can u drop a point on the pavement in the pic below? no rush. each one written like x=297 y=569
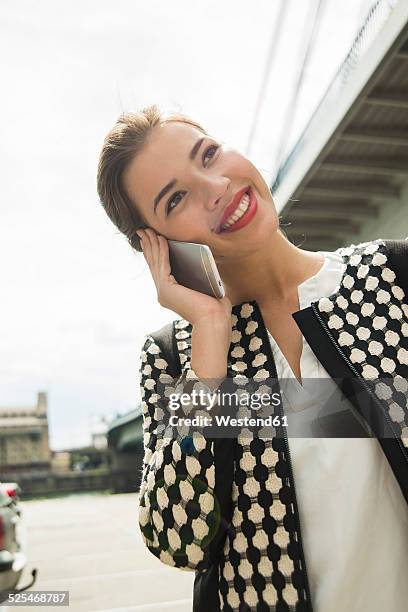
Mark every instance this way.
x=90 y=545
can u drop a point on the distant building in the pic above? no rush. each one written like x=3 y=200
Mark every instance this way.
x=99 y=433
x=89 y=458
x=61 y=461
x=24 y=443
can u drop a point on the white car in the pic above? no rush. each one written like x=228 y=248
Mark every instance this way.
x=12 y=557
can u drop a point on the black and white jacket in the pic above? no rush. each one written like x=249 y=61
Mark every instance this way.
x=226 y=508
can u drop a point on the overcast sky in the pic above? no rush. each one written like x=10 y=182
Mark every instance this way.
x=75 y=300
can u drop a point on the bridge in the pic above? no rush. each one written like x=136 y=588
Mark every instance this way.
x=345 y=179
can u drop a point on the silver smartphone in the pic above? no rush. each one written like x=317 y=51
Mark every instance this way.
x=193 y=266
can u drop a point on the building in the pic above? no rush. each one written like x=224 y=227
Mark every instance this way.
x=24 y=443
x=61 y=462
x=99 y=433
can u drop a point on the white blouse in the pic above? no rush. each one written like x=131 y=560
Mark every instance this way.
x=354 y=518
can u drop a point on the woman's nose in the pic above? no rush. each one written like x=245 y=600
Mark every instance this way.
x=217 y=193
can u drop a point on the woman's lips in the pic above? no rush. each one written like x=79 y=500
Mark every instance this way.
x=246 y=217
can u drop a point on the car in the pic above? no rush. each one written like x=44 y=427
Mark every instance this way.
x=12 y=556
x=12 y=489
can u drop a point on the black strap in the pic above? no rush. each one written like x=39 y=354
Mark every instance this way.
x=165 y=339
x=397 y=251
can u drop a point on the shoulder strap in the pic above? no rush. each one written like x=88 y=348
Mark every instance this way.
x=166 y=341
x=397 y=251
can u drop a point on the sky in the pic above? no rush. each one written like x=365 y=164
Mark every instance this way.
x=76 y=301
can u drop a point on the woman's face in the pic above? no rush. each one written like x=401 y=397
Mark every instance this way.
x=205 y=176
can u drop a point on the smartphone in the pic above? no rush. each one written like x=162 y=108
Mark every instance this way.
x=193 y=266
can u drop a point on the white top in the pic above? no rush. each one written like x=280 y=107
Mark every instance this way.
x=354 y=518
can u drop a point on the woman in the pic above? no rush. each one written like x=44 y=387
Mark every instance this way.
x=228 y=508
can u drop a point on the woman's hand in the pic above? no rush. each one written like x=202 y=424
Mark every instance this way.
x=194 y=306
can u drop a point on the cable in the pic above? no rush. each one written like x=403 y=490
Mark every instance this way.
x=274 y=42
x=291 y=107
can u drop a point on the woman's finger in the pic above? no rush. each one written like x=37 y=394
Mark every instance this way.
x=154 y=246
x=164 y=256
x=145 y=243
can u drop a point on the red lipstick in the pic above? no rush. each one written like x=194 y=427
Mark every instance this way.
x=230 y=209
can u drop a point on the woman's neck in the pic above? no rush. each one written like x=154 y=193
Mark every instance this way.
x=270 y=274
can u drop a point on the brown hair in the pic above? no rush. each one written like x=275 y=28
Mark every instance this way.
x=122 y=144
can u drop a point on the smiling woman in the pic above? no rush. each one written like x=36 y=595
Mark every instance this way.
x=121 y=169
x=267 y=521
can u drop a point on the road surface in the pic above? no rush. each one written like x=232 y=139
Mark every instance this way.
x=90 y=544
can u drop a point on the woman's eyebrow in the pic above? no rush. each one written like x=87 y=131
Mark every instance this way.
x=170 y=185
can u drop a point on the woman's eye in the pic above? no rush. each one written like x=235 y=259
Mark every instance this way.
x=174 y=197
x=215 y=147
x=169 y=208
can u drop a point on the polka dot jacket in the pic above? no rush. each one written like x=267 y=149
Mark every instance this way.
x=226 y=508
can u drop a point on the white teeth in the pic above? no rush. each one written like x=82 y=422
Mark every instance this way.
x=239 y=211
